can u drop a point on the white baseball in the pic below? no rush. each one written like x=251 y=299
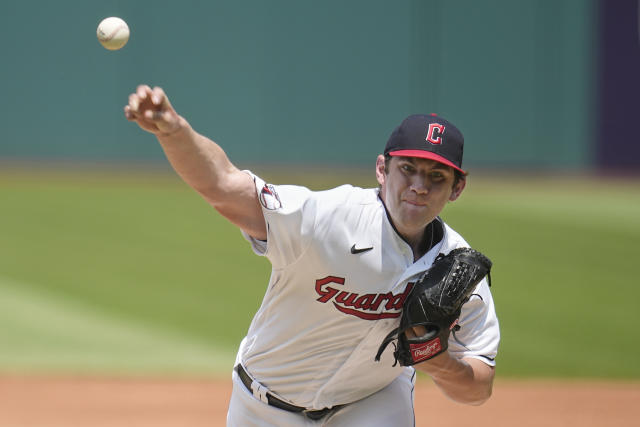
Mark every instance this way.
x=113 y=33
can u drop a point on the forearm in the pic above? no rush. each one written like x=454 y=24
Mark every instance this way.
x=468 y=381
x=199 y=161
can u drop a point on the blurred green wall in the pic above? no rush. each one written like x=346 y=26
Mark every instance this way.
x=302 y=81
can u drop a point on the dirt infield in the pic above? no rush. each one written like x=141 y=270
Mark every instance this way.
x=68 y=402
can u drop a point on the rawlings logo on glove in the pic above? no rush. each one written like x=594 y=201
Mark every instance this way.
x=432 y=308
x=420 y=352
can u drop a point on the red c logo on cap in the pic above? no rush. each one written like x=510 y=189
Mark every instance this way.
x=434 y=134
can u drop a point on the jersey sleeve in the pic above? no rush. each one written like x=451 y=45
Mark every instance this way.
x=479 y=333
x=289 y=214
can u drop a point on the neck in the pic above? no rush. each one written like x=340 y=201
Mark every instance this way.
x=424 y=241
x=420 y=242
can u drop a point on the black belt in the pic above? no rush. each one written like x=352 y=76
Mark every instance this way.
x=315 y=414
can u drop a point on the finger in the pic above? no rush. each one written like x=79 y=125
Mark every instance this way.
x=142 y=91
x=154 y=116
x=409 y=333
x=157 y=96
x=168 y=117
x=127 y=113
x=419 y=330
x=144 y=124
x=161 y=98
x=130 y=114
x=415 y=331
x=134 y=103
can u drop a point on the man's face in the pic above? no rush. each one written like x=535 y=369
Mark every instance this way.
x=415 y=191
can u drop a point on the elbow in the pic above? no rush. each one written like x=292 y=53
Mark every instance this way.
x=481 y=397
x=482 y=387
x=480 y=400
x=470 y=395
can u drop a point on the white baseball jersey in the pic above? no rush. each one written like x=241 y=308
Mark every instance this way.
x=340 y=276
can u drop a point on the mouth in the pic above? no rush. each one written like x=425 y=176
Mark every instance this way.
x=415 y=203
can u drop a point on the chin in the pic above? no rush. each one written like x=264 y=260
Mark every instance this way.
x=416 y=215
x=416 y=224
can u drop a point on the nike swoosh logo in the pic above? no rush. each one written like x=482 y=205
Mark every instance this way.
x=355 y=250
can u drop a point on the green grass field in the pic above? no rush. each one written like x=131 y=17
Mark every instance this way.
x=119 y=272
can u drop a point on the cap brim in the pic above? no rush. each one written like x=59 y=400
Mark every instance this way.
x=425 y=155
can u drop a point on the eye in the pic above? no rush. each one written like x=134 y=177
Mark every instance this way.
x=407 y=167
x=437 y=176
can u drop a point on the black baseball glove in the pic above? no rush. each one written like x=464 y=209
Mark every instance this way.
x=433 y=306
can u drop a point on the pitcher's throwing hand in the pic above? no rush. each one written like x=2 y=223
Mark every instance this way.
x=151 y=109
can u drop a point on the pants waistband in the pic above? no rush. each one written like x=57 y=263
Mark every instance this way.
x=314 y=414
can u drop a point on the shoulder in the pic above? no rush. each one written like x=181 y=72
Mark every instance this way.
x=342 y=202
x=332 y=199
x=285 y=198
x=348 y=194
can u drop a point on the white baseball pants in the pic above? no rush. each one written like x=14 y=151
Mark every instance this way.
x=391 y=406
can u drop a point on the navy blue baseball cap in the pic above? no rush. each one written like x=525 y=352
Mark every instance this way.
x=427 y=136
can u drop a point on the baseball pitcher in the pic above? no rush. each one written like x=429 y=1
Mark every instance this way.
x=367 y=285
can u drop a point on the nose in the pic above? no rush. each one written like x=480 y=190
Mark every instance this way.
x=419 y=185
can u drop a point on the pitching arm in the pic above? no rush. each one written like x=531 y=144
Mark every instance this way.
x=199 y=161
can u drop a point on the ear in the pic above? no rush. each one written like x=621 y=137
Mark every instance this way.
x=381 y=173
x=457 y=189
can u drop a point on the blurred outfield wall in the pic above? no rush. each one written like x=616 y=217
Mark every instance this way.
x=300 y=81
